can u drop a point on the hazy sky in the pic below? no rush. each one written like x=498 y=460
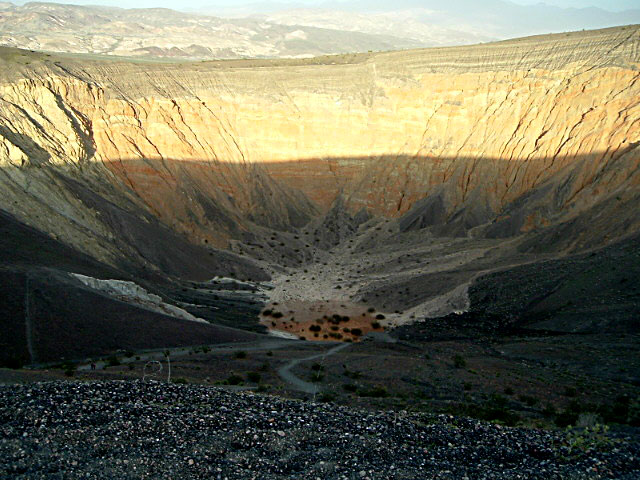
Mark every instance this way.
x=614 y=5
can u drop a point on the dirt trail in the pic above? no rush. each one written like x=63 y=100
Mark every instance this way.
x=299 y=384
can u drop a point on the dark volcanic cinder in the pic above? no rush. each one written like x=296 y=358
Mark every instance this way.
x=136 y=430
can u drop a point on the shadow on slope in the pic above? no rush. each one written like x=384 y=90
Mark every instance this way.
x=592 y=293
x=48 y=317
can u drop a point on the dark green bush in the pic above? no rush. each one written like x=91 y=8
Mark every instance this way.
x=326 y=397
x=459 y=362
x=235 y=380
x=113 y=361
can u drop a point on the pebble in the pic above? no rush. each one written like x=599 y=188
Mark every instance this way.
x=132 y=429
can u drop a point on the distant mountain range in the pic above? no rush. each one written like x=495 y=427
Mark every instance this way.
x=160 y=32
x=270 y=30
x=437 y=21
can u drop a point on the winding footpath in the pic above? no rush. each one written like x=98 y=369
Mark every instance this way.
x=299 y=384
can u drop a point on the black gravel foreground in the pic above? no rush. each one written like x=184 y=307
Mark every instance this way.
x=120 y=430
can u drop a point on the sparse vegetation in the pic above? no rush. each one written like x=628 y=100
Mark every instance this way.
x=459 y=361
x=113 y=361
x=235 y=380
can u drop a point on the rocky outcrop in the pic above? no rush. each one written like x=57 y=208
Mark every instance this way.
x=133 y=293
x=498 y=139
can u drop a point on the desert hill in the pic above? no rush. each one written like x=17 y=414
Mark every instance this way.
x=162 y=33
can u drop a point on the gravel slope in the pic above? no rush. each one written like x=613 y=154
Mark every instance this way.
x=153 y=430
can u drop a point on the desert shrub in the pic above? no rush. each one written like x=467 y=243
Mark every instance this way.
x=569 y=416
x=326 y=397
x=375 y=325
x=459 y=361
x=315 y=328
x=113 y=361
x=588 y=438
x=496 y=410
x=349 y=387
x=356 y=332
x=267 y=312
x=623 y=411
x=234 y=380
x=205 y=349
x=253 y=377
x=277 y=315
x=549 y=410
x=371 y=310
x=180 y=380
x=240 y=354
x=269 y=353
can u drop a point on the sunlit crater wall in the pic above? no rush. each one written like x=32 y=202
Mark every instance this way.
x=478 y=126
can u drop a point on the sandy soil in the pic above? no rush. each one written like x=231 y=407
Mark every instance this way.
x=337 y=282
x=329 y=320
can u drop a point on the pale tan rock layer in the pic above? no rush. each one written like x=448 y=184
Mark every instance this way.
x=482 y=125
